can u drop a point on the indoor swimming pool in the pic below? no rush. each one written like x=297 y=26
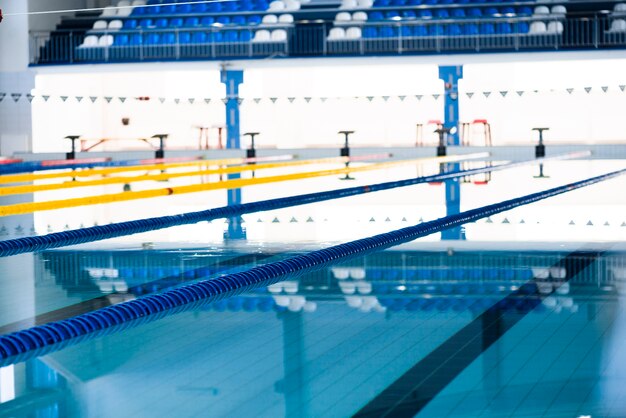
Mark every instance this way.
x=516 y=314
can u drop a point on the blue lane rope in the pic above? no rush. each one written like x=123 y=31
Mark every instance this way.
x=43 y=339
x=102 y=232
x=30 y=166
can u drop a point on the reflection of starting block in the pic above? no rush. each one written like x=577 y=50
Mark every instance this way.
x=87 y=145
x=203 y=138
x=466 y=133
x=419 y=139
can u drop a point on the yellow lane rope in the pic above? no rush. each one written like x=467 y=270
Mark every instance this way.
x=31 y=188
x=22 y=208
x=23 y=178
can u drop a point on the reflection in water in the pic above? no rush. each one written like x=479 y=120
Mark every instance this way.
x=330 y=342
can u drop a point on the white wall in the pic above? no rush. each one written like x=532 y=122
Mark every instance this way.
x=577 y=117
x=15 y=118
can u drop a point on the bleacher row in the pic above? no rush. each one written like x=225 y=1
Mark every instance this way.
x=149 y=16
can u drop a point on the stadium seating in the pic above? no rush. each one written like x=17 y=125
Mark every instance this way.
x=246 y=24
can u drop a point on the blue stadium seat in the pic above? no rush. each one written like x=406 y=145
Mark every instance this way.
x=130 y=24
x=167 y=9
x=239 y=20
x=184 y=9
x=121 y=40
x=454 y=30
x=382 y=3
x=184 y=38
x=161 y=23
x=199 y=38
x=246 y=6
x=462 y=1
x=397 y=3
x=520 y=27
x=199 y=8
x=229 y=6
x=207 y=21
x=224 y=20
x=214 y=7
x=374 y=16
x=424 y=274
x=491 y=11
x=430 y=2
x=406 y=31
x=191 y=22
x=413 y=2
x=245 y=36
x=387 y=32
x=168 y=38
x=392 y=14
x=152 y=39
x=458 y=13
x=487 y=29
x=215 y=37
x=420 y=31
x=261 y=6
x=474 y=12
x=370 y=32
x=254 y=20
x=525 y=11
x=471 y=29
x=503 y=28
x=139 y=11
x=446 y=1
x=146 y=23
x=509 y=11
x=176 y=23
x=425 y=14
x=231 y=36
x=442 y=14
x=408 y=14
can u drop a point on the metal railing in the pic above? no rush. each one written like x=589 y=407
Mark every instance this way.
x=312 y=39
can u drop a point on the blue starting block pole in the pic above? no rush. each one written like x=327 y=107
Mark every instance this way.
x=451 y=76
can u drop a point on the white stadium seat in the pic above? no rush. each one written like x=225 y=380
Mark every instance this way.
x=620 y=7
x=558 y=10
x=89 y=41
x=269 y=19
x=353 y=33
x=537 y=28
x=343 y=17
x=349 y=4
x=262 y=36
x=276 y=5
x=618 y=25
x=555 y=27
x=336 y=34
x=116 y=24
x=359 y=16
x=109 y=12
x=287 y=18
x=542 y=10
x=105 y=40
x=279 y=35
x=100 y=25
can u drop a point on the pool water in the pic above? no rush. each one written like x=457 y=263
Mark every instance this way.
x=524 y=317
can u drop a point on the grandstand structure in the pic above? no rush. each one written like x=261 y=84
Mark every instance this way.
x=133 y=31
